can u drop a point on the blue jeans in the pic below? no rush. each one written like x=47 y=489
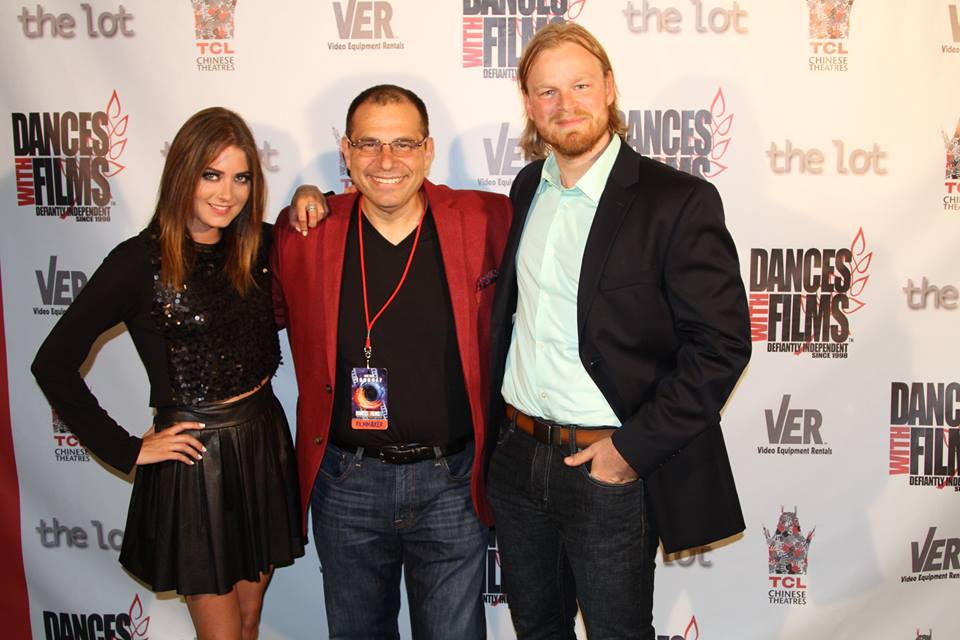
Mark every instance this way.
x=372 y=518
x=566 y=538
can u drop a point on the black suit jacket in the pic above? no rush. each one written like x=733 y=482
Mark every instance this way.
x=664 y=333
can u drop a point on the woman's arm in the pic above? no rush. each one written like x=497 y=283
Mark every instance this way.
x=114 y=293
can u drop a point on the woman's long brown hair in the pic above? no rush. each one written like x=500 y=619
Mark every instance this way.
x=197 y=144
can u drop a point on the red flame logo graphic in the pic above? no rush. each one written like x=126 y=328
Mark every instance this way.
x=138 y=622
x=575 y=8
x=720 y=125
x=117 y=129
x=861 y=262
x=858 y=280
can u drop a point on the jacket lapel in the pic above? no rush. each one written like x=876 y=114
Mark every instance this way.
x=614 y=204
x=333 y=247
x=457 y=232
x=505 y=298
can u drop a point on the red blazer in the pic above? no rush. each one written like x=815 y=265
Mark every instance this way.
x=472 y=228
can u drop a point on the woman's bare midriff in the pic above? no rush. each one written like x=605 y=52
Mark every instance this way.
x=245 y=393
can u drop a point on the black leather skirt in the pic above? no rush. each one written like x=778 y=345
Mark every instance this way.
x=236 y=513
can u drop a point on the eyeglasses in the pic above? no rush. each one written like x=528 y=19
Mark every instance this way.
x=372 y=147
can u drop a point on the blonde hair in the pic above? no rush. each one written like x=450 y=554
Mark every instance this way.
x=548 y=37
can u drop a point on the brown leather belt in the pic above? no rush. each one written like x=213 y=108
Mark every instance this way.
x=558 y=434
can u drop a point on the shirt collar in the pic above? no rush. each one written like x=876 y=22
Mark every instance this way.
x=592 y=183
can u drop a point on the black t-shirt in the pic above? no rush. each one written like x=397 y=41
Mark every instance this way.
x=414 y=339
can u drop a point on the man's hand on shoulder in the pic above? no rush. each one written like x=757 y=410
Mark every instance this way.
x=307 y=208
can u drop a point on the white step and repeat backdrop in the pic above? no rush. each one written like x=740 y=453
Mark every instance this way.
x=831 y=128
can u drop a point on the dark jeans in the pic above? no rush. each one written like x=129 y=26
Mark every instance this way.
x=565 y=537
x=370 y=518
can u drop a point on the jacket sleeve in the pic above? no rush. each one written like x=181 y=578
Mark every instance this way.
x=109 y=297
x=705 y=294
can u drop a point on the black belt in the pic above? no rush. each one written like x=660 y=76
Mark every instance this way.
x=406 y=453
x=220 y=414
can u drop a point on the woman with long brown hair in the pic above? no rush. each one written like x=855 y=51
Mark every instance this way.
x=215 y=502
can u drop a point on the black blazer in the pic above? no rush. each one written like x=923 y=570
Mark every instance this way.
x=664 y=333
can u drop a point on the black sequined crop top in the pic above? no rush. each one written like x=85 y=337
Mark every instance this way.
x=200 y=344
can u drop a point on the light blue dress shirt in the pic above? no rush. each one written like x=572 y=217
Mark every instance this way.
x=544 y=376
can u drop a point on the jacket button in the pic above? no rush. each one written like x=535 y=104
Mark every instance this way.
x=318 y=440
x=595 y=363
x=328 y=388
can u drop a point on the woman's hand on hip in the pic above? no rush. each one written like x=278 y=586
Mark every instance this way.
x=171 y=444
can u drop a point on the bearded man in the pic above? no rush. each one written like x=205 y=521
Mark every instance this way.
x=620 y=326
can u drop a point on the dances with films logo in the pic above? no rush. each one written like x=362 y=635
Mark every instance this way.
x=495 y=31
x=64 y=160
x=792 y=431
x=787 y=550
x=213 y=24
x=132 y=624
x=801 y=300
x=692 y=632
x=951 y=183
x=692 y=140
x=829 y=30
x=933 y=558
x=925 y=433
x=363 y=26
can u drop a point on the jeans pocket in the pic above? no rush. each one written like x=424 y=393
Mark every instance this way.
x=506 y=432
x=458 y=465
x=585 y=470
x=337 y=465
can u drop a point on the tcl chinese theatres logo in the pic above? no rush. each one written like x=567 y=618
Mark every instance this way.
x=213 y=19
x=788 y=548
x=829 y=19
x=952 y=146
